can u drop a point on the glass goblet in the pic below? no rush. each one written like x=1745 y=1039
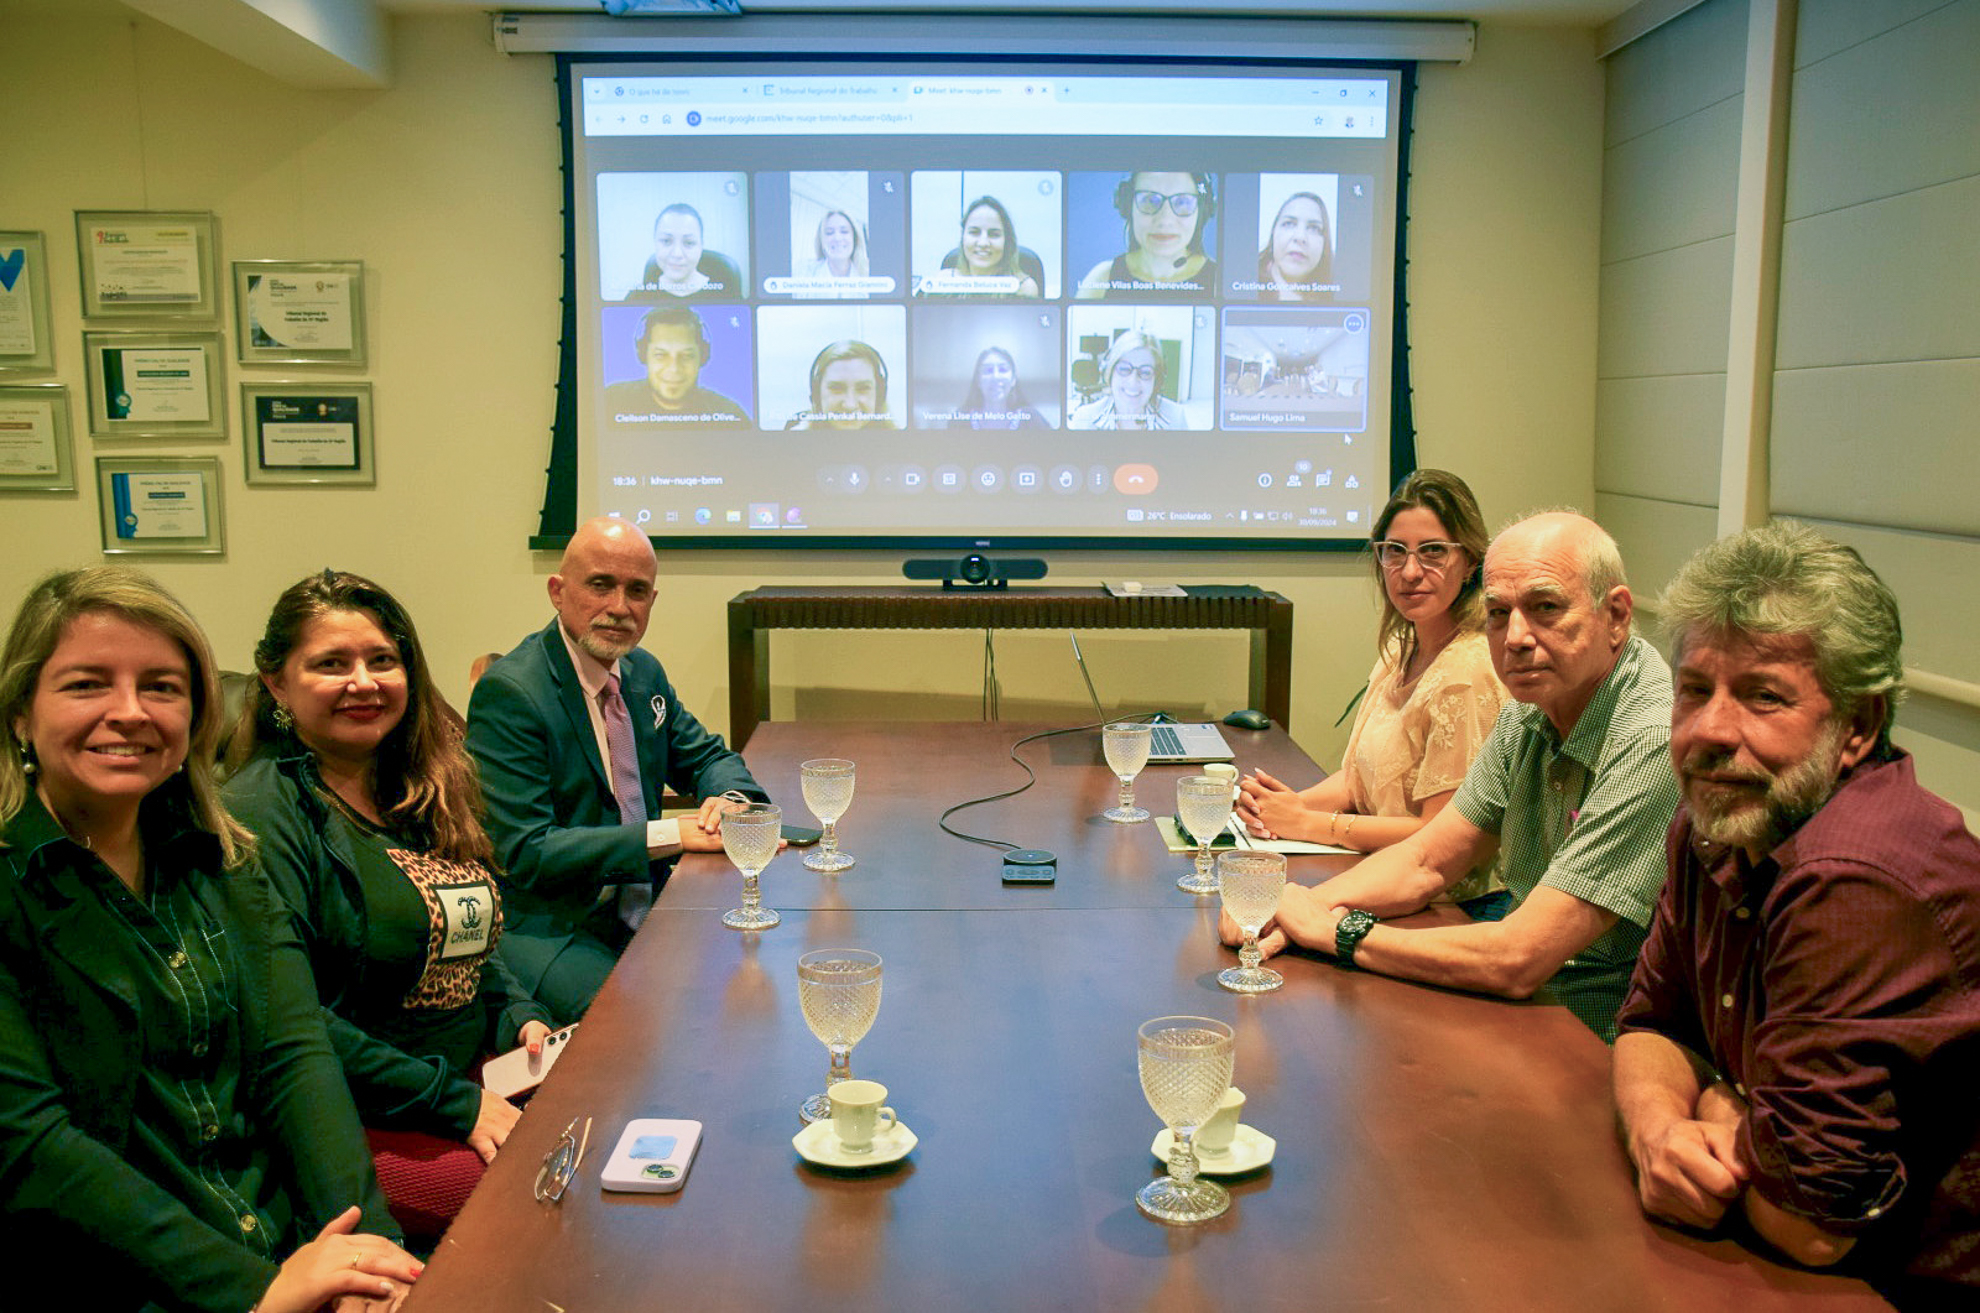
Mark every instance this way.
x=1125 y=744
x=839 y=994
x=828 y=791
x=1203 y=807
x=1251 y=883
x=1185 y=1069
x=750 y=838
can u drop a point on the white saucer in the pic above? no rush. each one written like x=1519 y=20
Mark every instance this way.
x=1250 y=1150
x=817 y=1143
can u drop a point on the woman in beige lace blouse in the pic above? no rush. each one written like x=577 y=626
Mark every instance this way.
x=1431 y=698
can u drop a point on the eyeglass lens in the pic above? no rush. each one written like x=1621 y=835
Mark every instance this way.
x=1150 y=202
x=1125 y=371
x=1431 y=555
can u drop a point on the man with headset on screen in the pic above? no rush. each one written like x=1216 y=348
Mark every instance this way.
x=673 y=345
x=577 y=733
x=1164 y=214
x=848 y=390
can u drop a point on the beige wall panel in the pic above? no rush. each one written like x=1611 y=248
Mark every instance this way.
x=1656 y=537
x=1894 y=279
x=1666 y=313
x=1944 y=737
x=1880 y=444
x=1695 y=60
x=1673 y=186
x=1937 y=582
x=1502 y=283
x=1659 y=437
x=447 y=186
x=1892 y=115
x=1828 y=26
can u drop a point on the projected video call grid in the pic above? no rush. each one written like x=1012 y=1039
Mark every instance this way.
x=899 y=314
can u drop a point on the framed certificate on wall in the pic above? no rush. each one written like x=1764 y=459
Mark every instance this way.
x=26 y=346
x=160 y=505
x=306 y=433
x=154 y=385
x=37 y=453
x=148 y=264
x=299 y=312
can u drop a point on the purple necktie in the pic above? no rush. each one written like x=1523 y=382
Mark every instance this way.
x=637 y=896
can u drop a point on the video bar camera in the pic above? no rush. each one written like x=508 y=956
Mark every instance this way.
x=975 y=571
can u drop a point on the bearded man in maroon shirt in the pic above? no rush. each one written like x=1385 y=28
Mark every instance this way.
x=1800 y=1048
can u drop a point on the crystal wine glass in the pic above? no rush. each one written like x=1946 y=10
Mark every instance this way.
x=828 y=791
x=1203 y=806
x=839 y=993
x=1185 y=1069
x=1251 y=883
x=1125 y=744
x=750 y=838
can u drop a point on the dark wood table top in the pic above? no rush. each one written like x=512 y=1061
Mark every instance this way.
x=910 y=772
x=1436 y=1150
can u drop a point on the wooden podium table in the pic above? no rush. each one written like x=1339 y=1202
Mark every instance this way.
x=754 y=614
x=1436 y=1150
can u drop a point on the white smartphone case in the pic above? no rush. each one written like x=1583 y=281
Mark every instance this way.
x=516 y=1072
x=652 y=1156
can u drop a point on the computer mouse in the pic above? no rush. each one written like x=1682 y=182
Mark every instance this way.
x=1249 y=719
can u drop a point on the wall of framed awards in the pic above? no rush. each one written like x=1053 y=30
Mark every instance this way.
x=155 y=361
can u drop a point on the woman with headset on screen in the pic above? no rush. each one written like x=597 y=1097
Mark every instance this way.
x=1164 y=215
x=996 y=399
x=1131 y=376
x=988 y=248
x=848 y=390
x=1297 y=263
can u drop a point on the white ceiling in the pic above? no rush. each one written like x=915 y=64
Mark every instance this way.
x=1581 y=13
x=1576 y=13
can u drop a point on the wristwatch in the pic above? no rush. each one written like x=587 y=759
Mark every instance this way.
x=1349 y=932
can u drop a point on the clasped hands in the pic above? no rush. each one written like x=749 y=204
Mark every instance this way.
x=1268 y=807
x=1689 y=1170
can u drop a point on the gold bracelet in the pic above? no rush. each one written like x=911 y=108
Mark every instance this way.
x=1333 y=825
x=1350 y=828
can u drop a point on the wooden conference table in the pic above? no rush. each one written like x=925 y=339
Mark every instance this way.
x=1435 y=1150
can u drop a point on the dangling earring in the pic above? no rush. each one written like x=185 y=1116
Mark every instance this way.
x=283 y=717
x=28 y=763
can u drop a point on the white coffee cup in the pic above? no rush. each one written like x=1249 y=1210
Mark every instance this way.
x=859 y=1113
x=1223 y=770
x=1214 y=1137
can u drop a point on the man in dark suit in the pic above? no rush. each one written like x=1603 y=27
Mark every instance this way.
x=578 y=733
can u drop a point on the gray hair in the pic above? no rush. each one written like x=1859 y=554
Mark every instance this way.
x=1784 y=578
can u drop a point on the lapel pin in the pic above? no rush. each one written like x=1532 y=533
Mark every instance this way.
x=659 y=705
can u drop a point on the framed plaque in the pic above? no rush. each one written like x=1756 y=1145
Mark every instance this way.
x=26 y=346
x=307 y=433
x=37 y=451
x=299 y=312
x=154 y=385
x=160 y=505
x=148 y=264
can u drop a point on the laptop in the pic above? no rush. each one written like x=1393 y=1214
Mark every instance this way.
x=1173 y=745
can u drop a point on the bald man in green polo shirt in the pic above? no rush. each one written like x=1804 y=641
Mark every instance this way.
x=1573 y=788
